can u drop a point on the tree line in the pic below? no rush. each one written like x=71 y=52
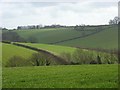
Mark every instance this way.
x=39 y=26
x=78 y=57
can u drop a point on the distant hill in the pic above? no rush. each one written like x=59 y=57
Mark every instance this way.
x=91 y=37
x=107 y=39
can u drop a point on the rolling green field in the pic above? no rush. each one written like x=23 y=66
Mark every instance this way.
x=9 y=51
x=78 y=76
x=49 y=35
x=107 y=39
x=63 y=76
x=55 y=49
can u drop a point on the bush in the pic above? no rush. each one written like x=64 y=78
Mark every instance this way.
x=82 y=57
x=93 y=62
x=8 y=42
x=66 y=56
x=16 y=61
x=39 y=59
x=107 y=58
x=99 y=60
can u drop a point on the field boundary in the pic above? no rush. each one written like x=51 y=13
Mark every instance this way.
x=55 y=57
x=97 y=31
x=112 y=51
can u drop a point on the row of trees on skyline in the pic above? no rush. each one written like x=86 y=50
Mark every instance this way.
x=39 y=26
x=113 y=21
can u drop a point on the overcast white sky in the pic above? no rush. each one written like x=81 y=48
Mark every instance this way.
x=15 y=13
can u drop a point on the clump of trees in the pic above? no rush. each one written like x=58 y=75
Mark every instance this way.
x=3 y=28
x=85 y=57
x=17 y=61
x=114 y=21
x=37 y=59
x=29 y=27
x=53 y=26
x=39 y=26
x=80 y=27
x=78 y=57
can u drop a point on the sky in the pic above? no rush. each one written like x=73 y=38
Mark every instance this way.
x=15 y=13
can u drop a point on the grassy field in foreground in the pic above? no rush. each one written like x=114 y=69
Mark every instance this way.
x=9 y=51
x=77 y=76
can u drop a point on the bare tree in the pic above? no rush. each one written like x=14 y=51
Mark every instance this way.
x=114 y=21
x=111 y=22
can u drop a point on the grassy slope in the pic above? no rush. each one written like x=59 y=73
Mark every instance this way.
x=56 y=49
x=9 y=51
x=50 y=35
x=107 y=39
x=78 y=76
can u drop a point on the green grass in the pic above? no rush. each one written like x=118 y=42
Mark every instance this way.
x=9 y=51
x=55 y=49
x=107 y=39
x=50 y=35
x=78 y=76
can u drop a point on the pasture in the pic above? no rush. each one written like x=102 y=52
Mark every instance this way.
x=107 y=39
x=64 y=76
x=55 y=49
x=84 y=75
x=9 y=51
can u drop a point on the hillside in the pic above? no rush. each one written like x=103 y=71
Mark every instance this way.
x=55 y=49
x=107 y=39
x=9 y=51
x=49 y=35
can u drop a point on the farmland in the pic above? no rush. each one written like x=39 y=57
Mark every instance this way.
x=56 y=49
x=49 y=35
x=79 y=76
x=109 y=39
x=66 y=45
x=9 y=51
